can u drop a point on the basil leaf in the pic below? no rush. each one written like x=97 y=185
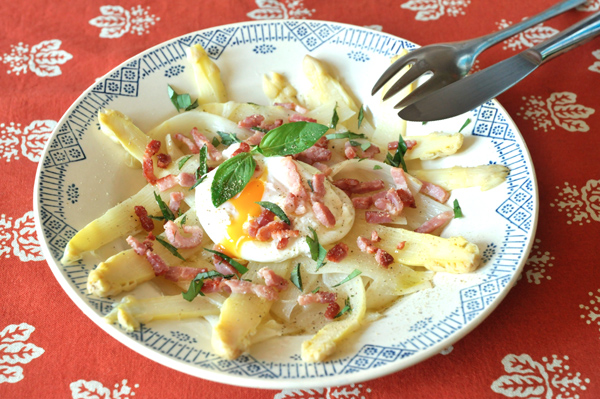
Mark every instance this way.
x=424 y=123
x=228 y=138
x=196 y=284
x=345 y=135
x=276 y=210
x=193 y=106
x=181 y=101
x=215 y=142
x=316 y=290
x=167 y=214
x=334 y=118
x=465 y=124
x=355 y=273
x=377 y=167
x=291 y=138
x=345 y=309
x=354 y=143
x=312 y=190
x=296 y=277
x=183 y=160
x=202 y=167
x=238 y=266
x=170 y=248
x=259 y=129
x=361 y=116
x=398 y=159
x=156 y=217
x=231 y=178
x=365 y=146
x=317 y=252
x=457 y=211
x=183 y=220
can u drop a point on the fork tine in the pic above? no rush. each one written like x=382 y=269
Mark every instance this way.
x=433 y=84
x=411 y=75
x=392 y=70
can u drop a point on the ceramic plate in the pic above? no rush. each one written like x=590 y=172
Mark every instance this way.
x=82 y=174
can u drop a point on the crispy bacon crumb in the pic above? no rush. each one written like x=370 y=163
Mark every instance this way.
x=332 y=310
x=375 y=237
x=337 y=253
x=163 y=160
x=145 y=221
x=383 y=258
x=147 y=165
x=401 y=245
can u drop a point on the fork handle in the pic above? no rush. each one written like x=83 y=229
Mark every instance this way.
x=571 y=37
x=491 y=39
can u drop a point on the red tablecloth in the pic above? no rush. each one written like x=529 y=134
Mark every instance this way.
x=541 y=342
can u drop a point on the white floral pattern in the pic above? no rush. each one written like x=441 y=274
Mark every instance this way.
x=19 y=238
x=82 y=389
x=430 y=10
x=579 y=205
x=286 y=9
x=30 y=140
x=590 y=5
x=560 y=109
x=15 y=350
x=115 y=21
x=595 y=67
x=43 y=59
x=547 y=379
x=538 y=264
x=354 y=391
x=591 y=311
x=528 y=38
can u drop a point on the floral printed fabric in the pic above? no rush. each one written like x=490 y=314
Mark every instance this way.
x=541 y=342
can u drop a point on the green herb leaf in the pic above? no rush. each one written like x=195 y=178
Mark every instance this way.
x=361 y=115
x=465 y=124
x=354 y=143
x=215 y=141
x=291 y=138
x=310 y=185
x=296 y=277
x=171 y=248
x=345 y=309
x=424 y=122
x=276 y=210
x=334 y=118
x=355 y=273
x=317 y=252
x=231 y=178
x=377 y=167
x=183 y=220
x=316 y=290
x=398 y=159
x=365 y=146
x=166 y=212
x=228 y=138
x=156 y=217
x=345 y=135
x=181 y=101
x=183 y=160
x=457 y=211
x=202 y=167
x=238 y=266
x=195 y=288
x=259 y=129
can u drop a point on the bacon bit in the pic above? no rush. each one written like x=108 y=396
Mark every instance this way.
x=294 y=182
x=214 y=285
x=362 y=202
x=265 y=233
x=191 y=145
x=147 y=164
x=293 y=204
x=251 y=121
x=323 y=214
x=300 y=118
x=318 y=297
x=383 y=258
x=375 y=237
x=349 y=151
x=322 y=142
x=165 y=183
x=202 y=141
x=145 y=221
x=326 y=170
x=401 y=245
x=163 y=160
x=356 y=187
x=389 y=201
x=175 y=202
x=314 y=154
x=272 y=279
x=402 y=185
x=371 y=151
x=246 y=287
x=137 y=246
x=283 y=237
x=262 y=220
x=270 y=126
x=435 y=222
x=178 y=273
x=410 y=144
x=244 y=147
x=332 y=310
x=255 y=138
x=149 y=241
x=178 y=240
x=434 y=191
x=221 y=265
x=186 y=179
x=318 y=184
x=378 y=217
x=346 y=184
x=158 y=264
x=366 y=245
x=337 y=253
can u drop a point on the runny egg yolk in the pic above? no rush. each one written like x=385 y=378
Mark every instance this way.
x=246 y=207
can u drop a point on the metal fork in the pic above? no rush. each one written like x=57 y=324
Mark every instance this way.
x=449 y=62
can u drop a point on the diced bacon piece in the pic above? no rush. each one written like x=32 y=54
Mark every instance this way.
x=434 y=191
x=270 y=126
x=332 y=310
x=222 y=266
x=165 y=183
x=244 y=147
x=314 y=154
x=216 y=284
x=318 y=297
x=262 y=220
x=349 y=151
x=272 y=279
x=158 y=264
x=346 y=184
x=293 y=204
x=202 y=141
x=251 y=121
x=362 y=202
x=145 y=221
x=401 y=245
x=149 y=241
x=337 y=253
x=296 y=187
x=283 y=237
x=300 y=118
x=179 y=273
x=366 y=245
x=255 y=138
x=191 y=145
x=435 y=222
x=323 y=214
x=246 y=287
x=147 y=164
x=318 y=184
x=326 y=170
x=265 y=233
x=394 y=204
x=137 y=246
x=410 y=144
x=186 y=179
x=175 y=201
x=383 y=258
x=378 y=217
x=401 y=184
x=163 y=160
x=368 y=186
x=322 y=142
x=178 y=240
x=371 y=151
x=375 y=236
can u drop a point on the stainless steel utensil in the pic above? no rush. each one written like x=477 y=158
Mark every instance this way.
x=474 y=90
x=450 y=62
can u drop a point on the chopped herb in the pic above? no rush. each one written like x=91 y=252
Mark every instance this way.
x=183 y=220
x=228 y=138
x=215 y=141
x=361 y=115
x=424 y=122
x=238 y=266
x=457 y=211
x=166 y=212
x=156 y=217
x=310 y=185
x=170 y=248
x=398 y=159
x=377 y=167
x=354 y=143
x=202 y=167
x=365 y=146
x=259 y=129
x=334 y=118
x=465 y=124
x=181 y=101
x=231 y=178
x=355 y=273
x=276 y=210
x=291 y=138
x=296 y=277
x=316 y=290
x=345 y=309
x=183 y=160
x=345 y=135
x=253 y=104
x=195 y=288
x=317 y=252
